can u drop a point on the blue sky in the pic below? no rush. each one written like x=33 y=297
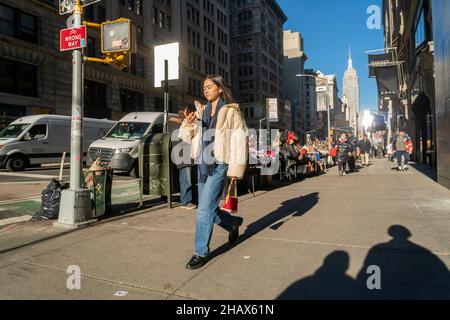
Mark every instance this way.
x=328 y=28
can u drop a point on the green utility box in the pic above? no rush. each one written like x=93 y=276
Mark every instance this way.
x=99 y=182
x=158 y=175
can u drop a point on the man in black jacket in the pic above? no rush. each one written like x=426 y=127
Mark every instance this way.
x=344 y=152
x=364 y=146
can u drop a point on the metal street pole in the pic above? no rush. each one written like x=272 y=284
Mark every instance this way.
x=75 y=209
x=166 y=95
x=269 y=143
x=330 y=158
x=76 y=149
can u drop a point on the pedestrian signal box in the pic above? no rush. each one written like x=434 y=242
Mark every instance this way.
x=118 y=36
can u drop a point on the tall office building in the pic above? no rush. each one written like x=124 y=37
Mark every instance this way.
x=257 y=57
x=351 y=92
x=310 y=102
x=294 y=90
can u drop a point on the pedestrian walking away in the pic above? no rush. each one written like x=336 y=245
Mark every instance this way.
x=219 y=127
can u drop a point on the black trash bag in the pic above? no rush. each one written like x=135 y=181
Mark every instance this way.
x=50 y=201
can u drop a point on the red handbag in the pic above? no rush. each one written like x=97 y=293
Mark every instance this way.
x=409 y=146
x=333 y=152
x=231 y=202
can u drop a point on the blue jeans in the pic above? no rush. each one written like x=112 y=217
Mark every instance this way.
x=401 y=154
x=185 y=185
x=208 y=212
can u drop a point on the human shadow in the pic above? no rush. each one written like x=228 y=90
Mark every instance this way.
x=407 y=270
x=289 y=209
x=397 y=269
x=330 y=281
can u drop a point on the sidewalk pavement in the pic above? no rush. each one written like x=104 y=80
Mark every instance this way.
x=315 y=239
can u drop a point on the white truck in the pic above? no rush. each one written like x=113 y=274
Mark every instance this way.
x=40 y=139
x=120 y=145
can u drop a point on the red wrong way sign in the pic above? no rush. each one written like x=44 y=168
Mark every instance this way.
x=73 y=38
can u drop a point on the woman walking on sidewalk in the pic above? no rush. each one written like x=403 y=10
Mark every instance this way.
x=218 y=127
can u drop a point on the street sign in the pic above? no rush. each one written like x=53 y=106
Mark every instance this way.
x=273 y=109
x=321 y=89
x=73 y=38
x=66 y=6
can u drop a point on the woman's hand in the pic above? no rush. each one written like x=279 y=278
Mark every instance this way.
x=190 y=118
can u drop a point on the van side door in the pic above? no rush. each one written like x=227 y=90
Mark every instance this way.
x=36 y=143
x=59 y=131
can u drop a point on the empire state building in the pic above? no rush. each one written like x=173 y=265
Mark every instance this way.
x=351 y=93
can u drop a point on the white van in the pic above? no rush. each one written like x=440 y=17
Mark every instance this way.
x=42 y=139
x=120 y=145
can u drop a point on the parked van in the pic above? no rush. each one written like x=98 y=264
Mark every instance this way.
x=120 y=145
x=42 y=139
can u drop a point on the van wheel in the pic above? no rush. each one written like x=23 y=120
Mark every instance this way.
x=135 y=170
x=16 y=163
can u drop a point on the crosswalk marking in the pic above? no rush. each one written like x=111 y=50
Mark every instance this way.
x=15 y=220
x=27 y=175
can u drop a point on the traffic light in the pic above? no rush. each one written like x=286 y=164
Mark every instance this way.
x=118 y=36
x=118 y=42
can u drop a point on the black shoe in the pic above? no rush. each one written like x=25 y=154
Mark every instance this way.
x=234 y=234
x=196 y=262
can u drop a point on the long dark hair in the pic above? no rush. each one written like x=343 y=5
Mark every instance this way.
x=220 y=82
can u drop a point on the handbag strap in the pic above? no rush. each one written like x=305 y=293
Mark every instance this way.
x=233 y=181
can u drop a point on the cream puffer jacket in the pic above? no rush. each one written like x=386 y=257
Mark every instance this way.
x=231 y=138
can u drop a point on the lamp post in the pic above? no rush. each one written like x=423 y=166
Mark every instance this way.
x=330 y=160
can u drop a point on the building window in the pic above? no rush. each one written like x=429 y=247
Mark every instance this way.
x=18 y=78
x=245 y=15
x=137 y=6
x=101 y=14
x=161 y=19
x=169 y=23
x=140 y=35
x=155 y=15
x=18 y=24
x=95 y=105
x=131 y=101
x=137 y=66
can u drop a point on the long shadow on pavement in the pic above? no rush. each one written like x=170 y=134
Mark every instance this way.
x=289 y=209
x=406 y=271
x=328 y=282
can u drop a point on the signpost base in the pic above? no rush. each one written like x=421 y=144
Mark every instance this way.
x=75 y=210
